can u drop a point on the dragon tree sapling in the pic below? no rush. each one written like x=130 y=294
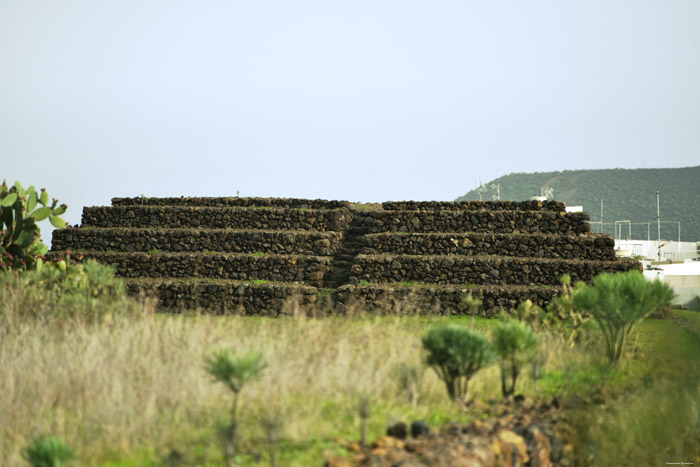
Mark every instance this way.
x=48 y=451
x=455 y=353
x=234 y=372
x=618 y=302
x=20 y=210
x=515 y=342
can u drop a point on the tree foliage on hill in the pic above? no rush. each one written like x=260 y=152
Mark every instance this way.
x=627 y=194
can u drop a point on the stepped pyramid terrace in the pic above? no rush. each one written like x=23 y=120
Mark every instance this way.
x=249 y=255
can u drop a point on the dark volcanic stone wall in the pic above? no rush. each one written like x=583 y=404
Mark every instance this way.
x=555 y=206
x=216 y=218
x=590 y=246
x=292 y=203
x=486 y=270
x=282 y=268
x=445 y=300
x=291 y=242
x=225 y=297
x=531 y=222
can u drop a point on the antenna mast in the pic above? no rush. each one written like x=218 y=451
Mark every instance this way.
x=482 y=188
x=497 y=187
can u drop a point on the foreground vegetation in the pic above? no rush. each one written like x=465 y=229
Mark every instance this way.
x=124 y=386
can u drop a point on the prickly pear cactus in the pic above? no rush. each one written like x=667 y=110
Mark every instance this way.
x=20 y=210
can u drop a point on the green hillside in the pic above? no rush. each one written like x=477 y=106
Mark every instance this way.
x=626 y=194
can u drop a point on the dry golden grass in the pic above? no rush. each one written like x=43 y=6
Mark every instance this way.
x=135 y=383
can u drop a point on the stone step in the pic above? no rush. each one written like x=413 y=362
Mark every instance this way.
x=343 y=259
x=356 y=231
x=282 y=268
x=344 y=256
x=449 y=221
x=217 y=218
x=482 y=270
x=292 y=203
x=556 y=206
x=439 y=299
x=278 y=298
x=295 y=242
x=585 y=246
x=224 y=296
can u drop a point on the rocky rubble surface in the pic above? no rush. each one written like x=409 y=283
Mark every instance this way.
x=512 y=434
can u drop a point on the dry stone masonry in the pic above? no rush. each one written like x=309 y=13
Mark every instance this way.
x=250 y=255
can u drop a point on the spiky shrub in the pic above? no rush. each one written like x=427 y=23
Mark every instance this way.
x=515 y=344
x=20 y=210
x=234 y=373
x=455 y=354
x=618 y=302
x=48 y=451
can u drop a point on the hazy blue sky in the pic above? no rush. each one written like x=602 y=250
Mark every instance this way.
x=358 y=100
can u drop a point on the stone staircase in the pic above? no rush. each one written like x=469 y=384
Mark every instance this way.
x=345 y=256
x=249 y=255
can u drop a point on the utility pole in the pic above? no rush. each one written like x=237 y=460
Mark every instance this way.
x=601 y=215
x=658 y=222
x=658 y=217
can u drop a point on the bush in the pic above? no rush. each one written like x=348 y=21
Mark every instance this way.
x=455 y=353
x=563 y=319
x=48 y=451
x=533 y=316
x=88 y=280
x=62 y=290
x=515 y=342
x=473 y=304
x=619 y=301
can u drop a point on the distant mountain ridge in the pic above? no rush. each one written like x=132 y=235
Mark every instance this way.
x=627 y=194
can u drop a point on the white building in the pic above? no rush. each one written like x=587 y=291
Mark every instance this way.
x=654 y=250
x=676 y=263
